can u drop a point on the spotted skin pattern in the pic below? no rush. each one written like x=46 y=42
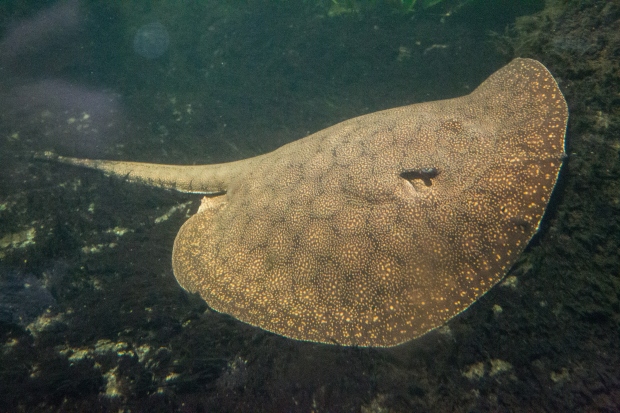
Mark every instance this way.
x=381 y=228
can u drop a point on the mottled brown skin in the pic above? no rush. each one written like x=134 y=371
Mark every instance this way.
x=378 y=229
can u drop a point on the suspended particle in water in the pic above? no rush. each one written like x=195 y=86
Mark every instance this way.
x=151 y=40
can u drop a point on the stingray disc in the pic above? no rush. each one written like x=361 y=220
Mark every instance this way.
x=378 y=229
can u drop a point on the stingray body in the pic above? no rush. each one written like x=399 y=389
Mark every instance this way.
x=376 y=230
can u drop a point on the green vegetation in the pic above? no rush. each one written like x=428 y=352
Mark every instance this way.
x=340 y=7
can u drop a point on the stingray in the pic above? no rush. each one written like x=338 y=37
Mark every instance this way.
x=376 y=230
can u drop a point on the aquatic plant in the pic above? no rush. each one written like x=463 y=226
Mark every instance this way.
x=340 y=7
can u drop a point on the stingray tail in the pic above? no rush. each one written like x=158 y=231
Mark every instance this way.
x=202 y=179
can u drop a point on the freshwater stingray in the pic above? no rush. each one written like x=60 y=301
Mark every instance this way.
x=378 y=229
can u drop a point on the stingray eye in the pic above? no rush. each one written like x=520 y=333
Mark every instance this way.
x=424 y=174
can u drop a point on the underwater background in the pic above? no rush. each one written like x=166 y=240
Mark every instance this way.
x=91 y=317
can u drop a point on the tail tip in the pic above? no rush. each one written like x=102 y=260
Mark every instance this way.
x=45 y=156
